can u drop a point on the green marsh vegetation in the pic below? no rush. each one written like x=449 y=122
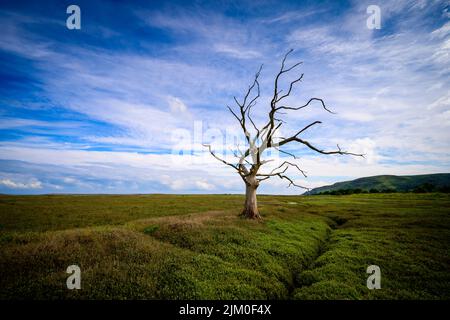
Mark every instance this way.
x=197 y=247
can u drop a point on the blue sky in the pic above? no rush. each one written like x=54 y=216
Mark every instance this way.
x=107 y=108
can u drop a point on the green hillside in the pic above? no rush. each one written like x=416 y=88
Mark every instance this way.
x=390 y=183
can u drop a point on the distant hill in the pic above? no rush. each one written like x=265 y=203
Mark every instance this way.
x=389 y=183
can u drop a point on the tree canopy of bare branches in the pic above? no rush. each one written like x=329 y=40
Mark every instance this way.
x=248 y=163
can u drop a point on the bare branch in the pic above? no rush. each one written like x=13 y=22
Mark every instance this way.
x=288 y=153
x=237 y=102
x=221 y=160
x=282 y=176
x=294 y=66
x=271 y=174
x=244 y=107
x=286 y=140
x=279 y=120
x=252 y=103
x=234 y=114
x=290 y=88
x=292 y=183
x=309 y=145
x=241 y=158
x=266 y=161
x=285 y=163
x=305 y=105
x=251 y=88
x=276 y=99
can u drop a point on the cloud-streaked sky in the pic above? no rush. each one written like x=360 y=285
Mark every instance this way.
x=97 y=110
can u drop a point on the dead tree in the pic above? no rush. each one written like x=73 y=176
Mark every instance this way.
x=248 y=163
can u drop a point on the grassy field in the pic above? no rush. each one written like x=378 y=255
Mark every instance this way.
x=196 y=247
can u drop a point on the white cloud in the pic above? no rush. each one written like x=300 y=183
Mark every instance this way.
x=203 y=185
x=178 y=183
x=32 y=184
x=202 y=172
x=176 y=105
x=442 y=31
x=356 y=116
x=367 y=147
x=70 y=180
x=237 y=52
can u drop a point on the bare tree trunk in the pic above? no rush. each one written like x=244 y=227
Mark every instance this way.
x=251 y=206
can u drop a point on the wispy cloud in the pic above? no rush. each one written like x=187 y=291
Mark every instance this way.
x=33 y=184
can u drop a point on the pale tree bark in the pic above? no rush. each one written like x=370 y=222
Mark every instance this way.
x=249 y=162
x=251 y=204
